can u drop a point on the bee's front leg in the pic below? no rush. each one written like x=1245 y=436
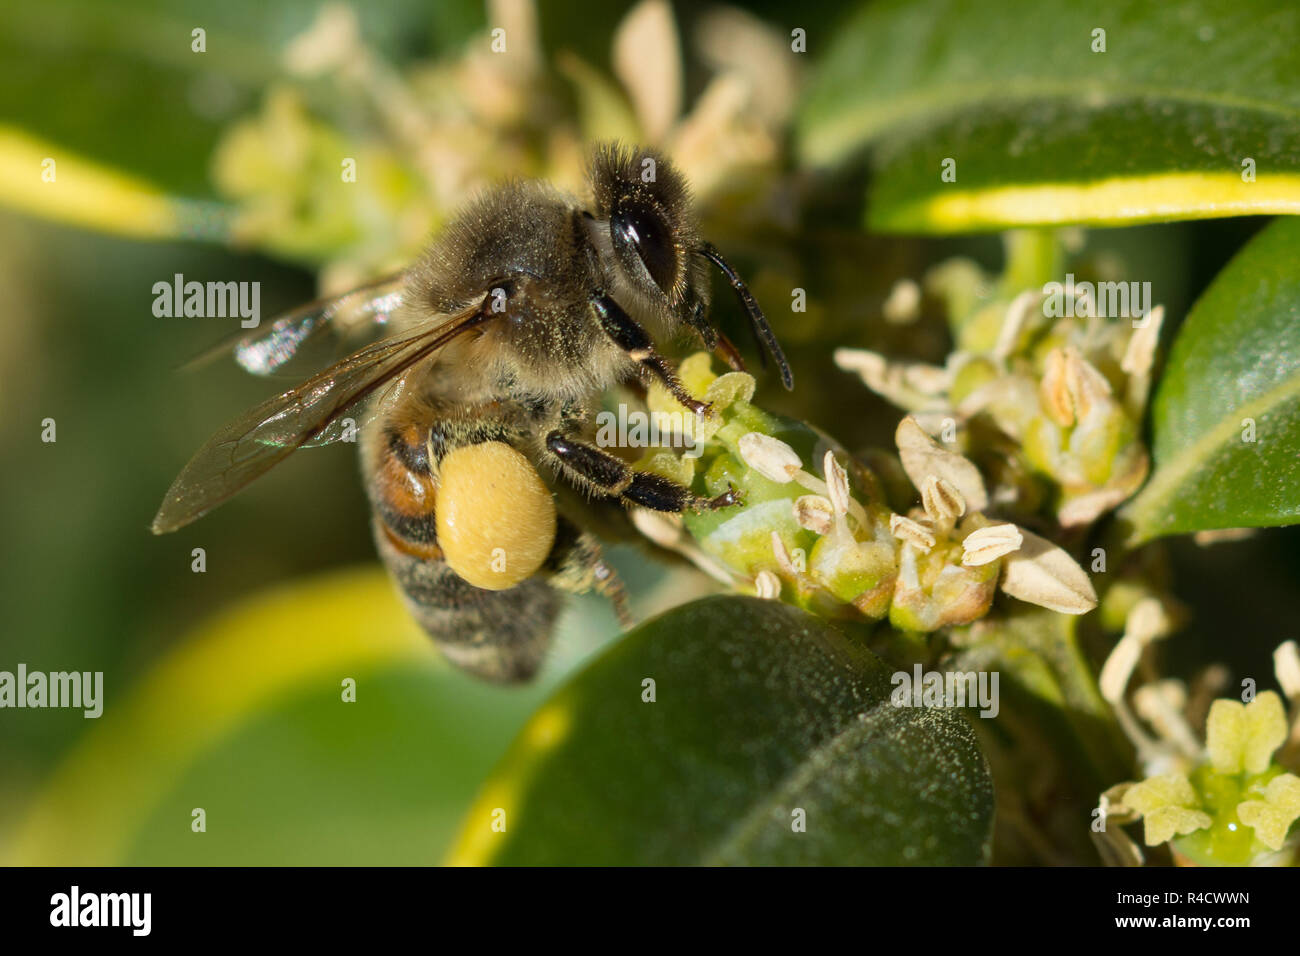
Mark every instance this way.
x=696 y=313
x=635 y=341
x=605 y=474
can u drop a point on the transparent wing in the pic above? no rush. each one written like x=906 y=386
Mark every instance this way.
x=348 y=425
x=268 y=433
x=346 y=317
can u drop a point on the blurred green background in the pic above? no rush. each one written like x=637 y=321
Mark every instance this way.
x=294 y=775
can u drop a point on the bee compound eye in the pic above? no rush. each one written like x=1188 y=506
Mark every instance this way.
x=495 y=516
x=643 y=229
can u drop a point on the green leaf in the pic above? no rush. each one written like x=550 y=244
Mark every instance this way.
x=121 y=86
x=760 y=710
x=1044 y=130
x=87 y=194
x=246 y=719
x=1233 y=375
x=312 y=781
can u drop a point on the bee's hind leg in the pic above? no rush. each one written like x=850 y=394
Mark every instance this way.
x=577 y=565
x=500 y=636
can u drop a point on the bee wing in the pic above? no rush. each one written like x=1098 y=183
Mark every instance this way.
x=346 y=315
x=267 y=434
x=346 y=427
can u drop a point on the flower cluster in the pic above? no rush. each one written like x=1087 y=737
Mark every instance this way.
x=352 y=163
x=1226 y=799
x=816 y=527
x=1064 y=393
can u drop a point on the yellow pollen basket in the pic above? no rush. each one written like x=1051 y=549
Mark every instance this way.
x=496 y=518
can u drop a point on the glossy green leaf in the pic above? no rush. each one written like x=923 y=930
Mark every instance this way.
x=1043 y=129
x=1226 y=417
x=759 y=711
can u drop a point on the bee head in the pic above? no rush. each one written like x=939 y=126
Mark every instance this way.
x=652 y=225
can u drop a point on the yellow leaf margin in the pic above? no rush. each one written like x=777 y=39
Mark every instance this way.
x=226 y=671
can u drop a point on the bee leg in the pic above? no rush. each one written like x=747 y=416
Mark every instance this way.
x=729 y=354
x=577 y=565
x=697 y=318
x=609 y=475
x=715 y=341
x=635 y=341
x=499 y=636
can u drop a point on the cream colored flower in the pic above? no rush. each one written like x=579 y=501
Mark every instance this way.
x=814 y=513
x=913 y=532
x=767 y=585
x=1033 y=569
x=1038 y=380
x=1243 y=736
x=1169 y=807
x=923 y=457
x=1272 y=817
x=1238 y=755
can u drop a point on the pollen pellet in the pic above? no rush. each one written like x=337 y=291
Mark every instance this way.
x=496 y=519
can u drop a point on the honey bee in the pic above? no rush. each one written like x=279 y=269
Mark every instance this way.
x=524 y=309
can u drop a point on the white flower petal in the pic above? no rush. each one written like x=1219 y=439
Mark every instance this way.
x=1020 y=309
x=922 y=456
x=904 y=303
x=1286 y=665
x=911 y=385
x=1046 y=575
x=837 y=484
x=649 y=64
x=1141 y=350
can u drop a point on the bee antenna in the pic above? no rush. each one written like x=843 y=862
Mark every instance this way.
x=762 y=331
